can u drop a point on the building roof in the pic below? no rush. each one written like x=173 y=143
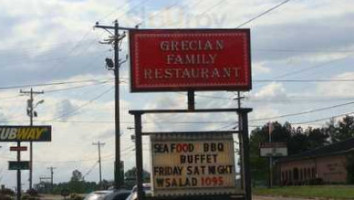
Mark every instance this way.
x=331 y=149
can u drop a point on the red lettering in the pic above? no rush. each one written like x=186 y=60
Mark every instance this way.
x=212 y=181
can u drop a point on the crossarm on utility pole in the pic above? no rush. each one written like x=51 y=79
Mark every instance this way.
x=116 y=38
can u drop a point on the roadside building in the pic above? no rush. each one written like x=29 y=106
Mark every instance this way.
x=328 y=164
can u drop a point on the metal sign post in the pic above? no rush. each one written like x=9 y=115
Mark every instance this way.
x=245 y=194
x=23 y=134
x=18 y=195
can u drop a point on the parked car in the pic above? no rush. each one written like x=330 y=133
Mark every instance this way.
x=146 y=189
x=120 y=194
x=98 y=195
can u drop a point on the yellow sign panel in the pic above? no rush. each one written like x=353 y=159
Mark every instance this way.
x=25 y=133
x=192 y=164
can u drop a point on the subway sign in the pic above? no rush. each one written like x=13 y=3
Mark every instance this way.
x=25 y=133
x=185 y=164
x=190 y=59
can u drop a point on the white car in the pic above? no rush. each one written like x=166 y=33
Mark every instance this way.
x=98 y=195
x=120 y=194
x=134 y=195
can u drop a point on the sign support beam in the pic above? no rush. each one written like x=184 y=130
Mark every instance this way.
x=139 y=156
x=18 y=195
x=243 y=131
x=246 y=156
x=191 y=101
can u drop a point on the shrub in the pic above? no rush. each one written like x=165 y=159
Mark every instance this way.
x=316 y=181
x=29 y=197
x=8 y=192
x=5 y=197
x=32 y=192
x=75 y=197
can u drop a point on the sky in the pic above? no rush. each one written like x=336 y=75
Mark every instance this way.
x=302 y=67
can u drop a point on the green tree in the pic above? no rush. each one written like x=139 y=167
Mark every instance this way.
x=76 y=176
x=317 y=138
x=344 y=129
x=131 y=174
x=77 y=184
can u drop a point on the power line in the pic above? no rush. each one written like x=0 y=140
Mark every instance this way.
x=96 y=81
x=310 y=68
x=49 y=84
x=6 y=121
x=26 y=61
x=90 y=170
x=263 y=13
x=302 y=113
x=322 y=119
x=76 y=87
x=304 y=50
x=259 y=119
x=141 y=3
x=303 y=81
x=158 y=13
x=83 y=105
x=212 y=7
x=216 y=122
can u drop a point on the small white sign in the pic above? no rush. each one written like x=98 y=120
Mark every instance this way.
x=276 y=149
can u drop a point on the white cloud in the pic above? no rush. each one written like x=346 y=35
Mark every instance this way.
x=270 y=92
x=337 y=89
x=260 y=68
x=65 y=108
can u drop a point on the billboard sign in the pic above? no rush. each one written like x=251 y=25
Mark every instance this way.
x=273 y=149
x=185 y=164
x=190 y=59
x=19 y=165
x=25 y=133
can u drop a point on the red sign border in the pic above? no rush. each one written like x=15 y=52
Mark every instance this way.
x=133 y=88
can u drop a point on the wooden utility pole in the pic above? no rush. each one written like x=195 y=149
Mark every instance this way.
x=51 y=176
x=31 y=113
x=115 y=40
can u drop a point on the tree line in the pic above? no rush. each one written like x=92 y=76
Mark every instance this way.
x=78 y=185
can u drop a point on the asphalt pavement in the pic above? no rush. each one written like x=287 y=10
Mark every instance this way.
x=280 y=198
x=58 y=197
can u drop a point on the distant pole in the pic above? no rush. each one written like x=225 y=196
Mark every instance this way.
x=270 y=129
x=51 y=177
x=99 y=144
x=30 y=113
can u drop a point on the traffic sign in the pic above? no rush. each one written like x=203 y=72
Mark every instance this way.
x=19 y=165
x=20 y=148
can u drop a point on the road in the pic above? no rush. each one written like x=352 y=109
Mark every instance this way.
x=277 y=198
x=53 y=197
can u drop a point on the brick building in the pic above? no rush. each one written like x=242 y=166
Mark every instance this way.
x=326 y=164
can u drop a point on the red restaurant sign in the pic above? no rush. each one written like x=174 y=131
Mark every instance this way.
x=179 y=60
